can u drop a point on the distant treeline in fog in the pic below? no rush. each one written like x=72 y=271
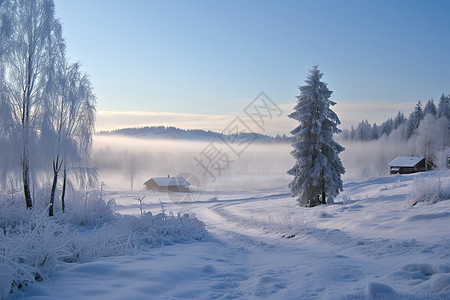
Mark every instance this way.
x=173 y=133
x=406 y=127
x=425 y=133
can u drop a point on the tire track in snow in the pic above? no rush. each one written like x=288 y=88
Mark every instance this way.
x=272 y=264
x=351 y=257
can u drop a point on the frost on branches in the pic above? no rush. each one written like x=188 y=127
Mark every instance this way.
x=318 y=168
x=47 y=105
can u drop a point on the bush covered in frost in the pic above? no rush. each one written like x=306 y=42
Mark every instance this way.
x=31 y=243
x=29 y=249
x=163 y=229
x=128 y=235
x=428 y=190
x=89 y=210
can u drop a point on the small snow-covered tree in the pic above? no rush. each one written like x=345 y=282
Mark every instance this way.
x=399 y=120
x=352 y=133
x=364 y=131
x=430 y=108
x=432 y=136
x=386 y=128
x=414 y=120
x=318 y=168
x=444 y=107
x=375 y=131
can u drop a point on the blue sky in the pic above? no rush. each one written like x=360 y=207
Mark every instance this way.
x=213 y=57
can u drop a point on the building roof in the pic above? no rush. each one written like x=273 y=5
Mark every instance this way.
x=170 y=181
x=405 y=161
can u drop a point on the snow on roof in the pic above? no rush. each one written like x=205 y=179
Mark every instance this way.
x=170 y=181
x=405 y=161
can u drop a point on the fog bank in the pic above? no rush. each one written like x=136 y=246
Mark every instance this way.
x=121 y=160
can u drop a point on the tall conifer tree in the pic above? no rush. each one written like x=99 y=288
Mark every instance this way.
x=318 y=168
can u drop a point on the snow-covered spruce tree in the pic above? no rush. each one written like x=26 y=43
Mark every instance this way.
x=444 y=107
x=318 y=168
x=414 y=120
x=430 y=108
x=399 y=120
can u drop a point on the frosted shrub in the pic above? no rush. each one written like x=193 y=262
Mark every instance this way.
x=346 y=200
x=428 y=190
x=442 y=157
x=163 y=229
x=127 y=235
x=89 y=209
x=29 y=251
x=106 y=241
x=12 y=211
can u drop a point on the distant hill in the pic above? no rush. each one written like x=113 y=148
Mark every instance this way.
x=173 y=133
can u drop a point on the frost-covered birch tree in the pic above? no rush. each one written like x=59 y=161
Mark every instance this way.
x=47 y=104
x=52 y=106
x=79 y=127
x=318 y=168
x=68 y=125
x=6 y=122
x=31 y=22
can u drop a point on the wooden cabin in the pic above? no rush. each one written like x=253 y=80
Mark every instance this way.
x=168 y=184
x=408 y=165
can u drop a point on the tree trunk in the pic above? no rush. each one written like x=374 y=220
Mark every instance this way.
x=52 y=195
x=26 y=106
x=323 y=198
x=26 y=167
x=63 y=205
x=26 y=181
x=56 y=168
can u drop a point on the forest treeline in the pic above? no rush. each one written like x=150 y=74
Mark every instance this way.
x=406 y=127
x=174 y=133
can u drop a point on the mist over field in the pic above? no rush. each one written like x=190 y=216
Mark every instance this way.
x=259 y=167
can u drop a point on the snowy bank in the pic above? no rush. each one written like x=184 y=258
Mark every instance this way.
x=32 y=245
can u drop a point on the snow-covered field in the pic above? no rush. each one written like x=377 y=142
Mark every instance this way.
x=370 y=244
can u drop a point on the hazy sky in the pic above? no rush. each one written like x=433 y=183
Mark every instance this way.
x=214 y=57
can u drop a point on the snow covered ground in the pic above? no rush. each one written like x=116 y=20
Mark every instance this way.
x=370 y=244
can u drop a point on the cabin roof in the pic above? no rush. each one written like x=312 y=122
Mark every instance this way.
x=405 y=161
x=170 y=181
